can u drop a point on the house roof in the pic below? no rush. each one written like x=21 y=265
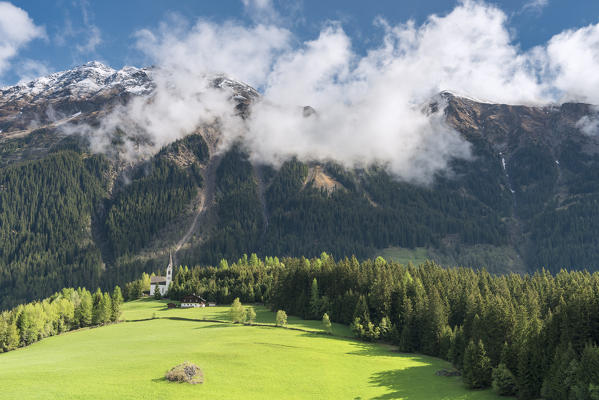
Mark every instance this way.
x=192 y=298
x=157 y=279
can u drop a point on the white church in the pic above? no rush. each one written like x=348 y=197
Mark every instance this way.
x=162 y=282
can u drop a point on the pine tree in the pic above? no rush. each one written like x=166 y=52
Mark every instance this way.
x=504 y=381
x=530 y=363
x=445 y=340
x=361 y=310
x=385 y=328
x=457 y=348
x=117 y=301
x=98 y=308
x=83 y=313
x=106 y=308
x=314 y=300
x=157 y=295
x=477 y=366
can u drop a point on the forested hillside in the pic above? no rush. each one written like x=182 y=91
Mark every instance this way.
x=45 y=217
x=526 y=199
x=65 y=220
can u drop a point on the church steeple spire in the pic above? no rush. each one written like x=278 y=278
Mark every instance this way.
x=169 y=271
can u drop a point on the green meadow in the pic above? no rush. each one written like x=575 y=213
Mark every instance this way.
x=128 y=360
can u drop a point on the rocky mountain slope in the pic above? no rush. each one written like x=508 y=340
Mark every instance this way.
x=528 y=198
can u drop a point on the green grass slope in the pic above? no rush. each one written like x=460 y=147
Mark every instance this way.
x=128 y=361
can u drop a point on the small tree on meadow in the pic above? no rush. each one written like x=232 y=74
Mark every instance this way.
x=106 y=307
x=251 y=315
x=117 y=300
x=97 y=307
x=281 y=319
x=83 y=313
x=326 y=324
x=237 y=312
x=157 y=295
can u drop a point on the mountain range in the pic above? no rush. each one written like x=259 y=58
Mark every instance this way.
x=527 y=198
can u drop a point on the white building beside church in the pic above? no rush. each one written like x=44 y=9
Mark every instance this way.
x=162 y=282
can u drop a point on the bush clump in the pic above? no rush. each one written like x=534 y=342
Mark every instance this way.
x=186 y=372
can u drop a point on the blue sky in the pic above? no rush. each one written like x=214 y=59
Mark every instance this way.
x=77 y=31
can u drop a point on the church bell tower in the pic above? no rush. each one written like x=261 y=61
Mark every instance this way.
x=169 y=272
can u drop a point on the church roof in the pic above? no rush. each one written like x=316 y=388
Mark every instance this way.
x=157 y=279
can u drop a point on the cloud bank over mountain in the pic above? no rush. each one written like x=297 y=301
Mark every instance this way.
x=371 y=107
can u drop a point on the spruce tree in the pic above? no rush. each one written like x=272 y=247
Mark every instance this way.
x=361 y=310
x=83 y=313
x=504 y=381
x=97 y=308
x=314 y=300
x=106 y=308
x=117 y=301
x=477 y=366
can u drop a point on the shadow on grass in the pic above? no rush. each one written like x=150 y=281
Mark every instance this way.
x=277 y=345
x=416 y=380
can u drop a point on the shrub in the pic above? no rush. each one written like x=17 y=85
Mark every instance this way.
x=237 y=312
x=186 y=372
x=281 y=318
x=326 y=324
x=251 y=315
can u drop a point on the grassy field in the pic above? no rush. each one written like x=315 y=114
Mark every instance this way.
x=128 y=361
x=402 y=255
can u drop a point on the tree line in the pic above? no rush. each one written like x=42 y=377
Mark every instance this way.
x=63 y=311
x=526 y=335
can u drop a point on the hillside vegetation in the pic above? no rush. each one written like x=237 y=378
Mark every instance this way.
x=527 y=199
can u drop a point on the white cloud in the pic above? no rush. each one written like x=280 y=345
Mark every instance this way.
x=261 y=11
x=246 y=53
x=16 y=30
x=184 y=97
x=29 y=69
x=370 y=108
x=93 y=40
x=589 y=125
x=87 y=31
x=572 y=61
x=535 y=5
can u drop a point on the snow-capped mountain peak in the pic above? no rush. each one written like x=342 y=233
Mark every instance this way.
x=82 y=82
